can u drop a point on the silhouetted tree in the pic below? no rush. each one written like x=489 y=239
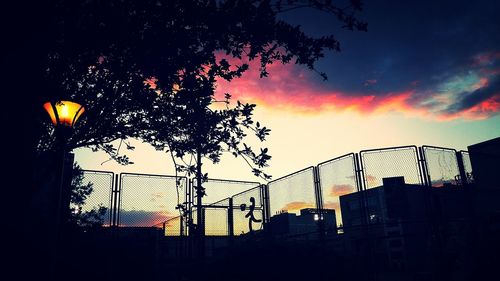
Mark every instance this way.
x=103 y=52
x=100 y=52
x=80 y=191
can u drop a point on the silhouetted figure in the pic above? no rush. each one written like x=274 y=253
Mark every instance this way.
x=250 y=215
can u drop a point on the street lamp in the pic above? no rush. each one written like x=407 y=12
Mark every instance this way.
x=64 y=115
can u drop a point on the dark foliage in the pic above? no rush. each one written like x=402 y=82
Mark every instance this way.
x=148 y=69
x=80 y=191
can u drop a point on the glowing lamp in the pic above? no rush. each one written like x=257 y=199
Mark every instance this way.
x=65 y=113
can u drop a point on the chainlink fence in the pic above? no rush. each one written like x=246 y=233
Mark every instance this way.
x=442 y=166
x=293 y=192
x=101 y=183
x=467 y=166
x=390 y=162
x=248 y=211
x=219 y=189
x=149 y=200
x=337 y=178
x=297 y=200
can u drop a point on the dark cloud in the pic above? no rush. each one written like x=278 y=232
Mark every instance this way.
x=407 y=41
x=421 y=58
x=471 y=99
x=143 y=218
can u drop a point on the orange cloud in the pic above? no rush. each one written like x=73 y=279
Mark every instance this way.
x=173 y=222
x=331 y=205
x=341 y=189
x=298 y=205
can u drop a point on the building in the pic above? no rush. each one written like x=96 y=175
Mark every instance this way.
x=306 y=224
x=390 y=223
x=485 y=160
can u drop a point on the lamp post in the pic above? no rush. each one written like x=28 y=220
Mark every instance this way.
x=64 y=115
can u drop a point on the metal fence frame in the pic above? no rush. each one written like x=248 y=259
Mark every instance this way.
x=119 y=191
x=466 y=175
x=193 y=192
x=457 y=159
x=394 y=148
x=422 y=166
x=262 y=206
x=112 y=191
x=356 y=172
x=295 y=173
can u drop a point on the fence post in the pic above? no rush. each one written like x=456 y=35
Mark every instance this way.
x=361 y=182
x=230 y=219
x=265 y=207
x=425 y=171
x=421 y=167
x=319 y=202
x=461 y=168
x=114 y=201
x=181 y=224
x=360 y=179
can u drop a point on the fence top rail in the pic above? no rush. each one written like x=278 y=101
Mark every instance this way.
x=234 y=181
x=97 y=172
x=170 y=219
x=438 y=147
x=388 y=148
x=218 y=202
x=211 y=206
x=292 y=174
x=173 y=218
x=336 y=158
x=245 y=191
x=151 y=175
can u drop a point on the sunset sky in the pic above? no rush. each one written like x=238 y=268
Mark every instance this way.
x=424 y=73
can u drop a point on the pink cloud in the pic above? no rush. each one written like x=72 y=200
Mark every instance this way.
x=295 y=88
x=370 y=82
x=485 y=58
x=480 y=111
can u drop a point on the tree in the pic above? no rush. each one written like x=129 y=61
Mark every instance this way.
x=110 y=48
x=79 y=194
x=186 y=122
x=125 y=42
x=117 y=105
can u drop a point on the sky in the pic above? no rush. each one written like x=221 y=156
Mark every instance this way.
x=424 y=73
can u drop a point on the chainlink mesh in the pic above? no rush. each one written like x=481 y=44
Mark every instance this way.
x=337 y=177
x=241 y=209
x=467 y=166
x=173 y=226
x=148 y=200
x=293 y=192
x=390 y=162
x=442 y=165
x=216 y=221
x=216 y=189
x=102 y=185
x=215 y=218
